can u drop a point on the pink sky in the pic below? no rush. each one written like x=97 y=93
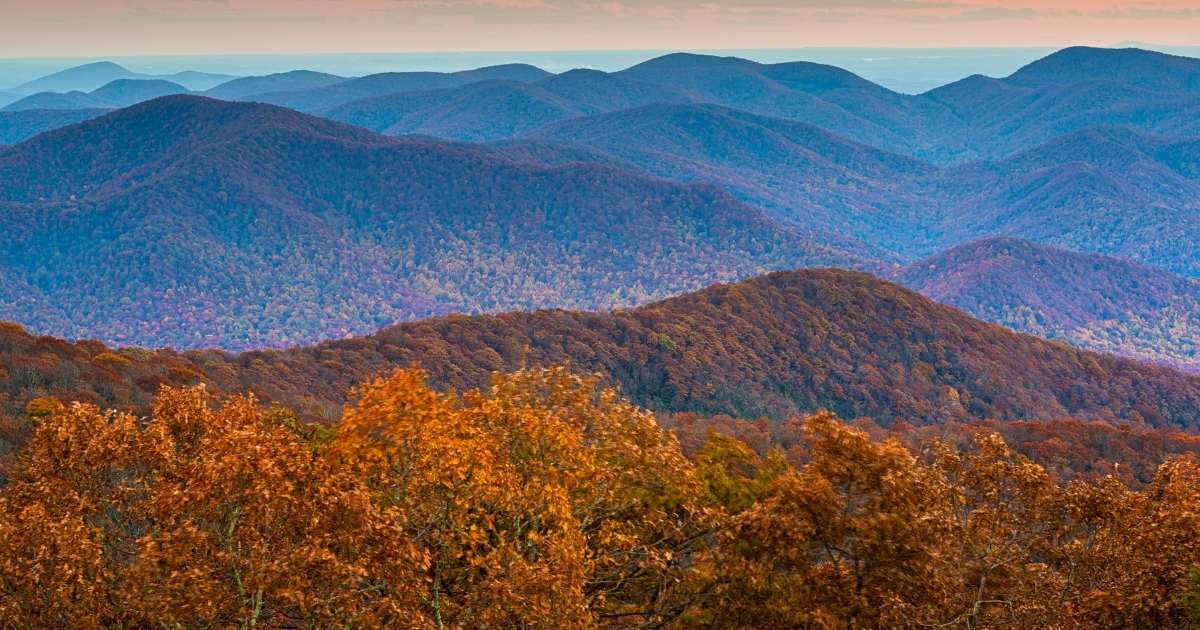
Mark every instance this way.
x=31 y=28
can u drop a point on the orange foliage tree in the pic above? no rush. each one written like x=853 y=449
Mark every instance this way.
x=548 y=501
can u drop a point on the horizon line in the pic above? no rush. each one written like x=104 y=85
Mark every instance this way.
x=1118 y=45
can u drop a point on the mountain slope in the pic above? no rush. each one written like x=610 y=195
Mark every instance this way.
x=1095 y=302
x=167 y=224
x=83 y=78
x=1069 y=91
x=20 y=126
x=776 y=345
x=1108 y=191
x=806 y=176
x=825 y=96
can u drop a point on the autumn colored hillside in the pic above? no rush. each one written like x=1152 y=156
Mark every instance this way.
x=776 y=345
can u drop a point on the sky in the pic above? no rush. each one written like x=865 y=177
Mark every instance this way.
x=88 y=28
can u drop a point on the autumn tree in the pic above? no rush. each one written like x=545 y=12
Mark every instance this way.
x=195 y=517
x=544 y=501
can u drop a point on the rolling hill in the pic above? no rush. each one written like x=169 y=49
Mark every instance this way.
x=821 y=95
x=825 y=96
x=168 y=223
x=1091 y=301
x=126 y=92
x=775 y=345
x=975 y=118
x=16 y=127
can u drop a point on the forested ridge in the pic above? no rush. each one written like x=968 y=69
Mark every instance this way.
x=774 y=346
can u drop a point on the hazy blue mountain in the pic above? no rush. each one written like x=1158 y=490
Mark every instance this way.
x=193 y=80
x=113 y=95
x=816 y=94
x=315 y=100
x=1091 y=301
x=826 y=96
x=604 y=92
x=8 y=97
x=16 y=127
x=1071 y=90
x=978 y=117
x=55 y=100
x=281 y=82
x=1103 y=190
x=83 y=78
x=92 y=76
x=126 y=92
x=1131 y=66
x=1109 y=191
x=168 y=222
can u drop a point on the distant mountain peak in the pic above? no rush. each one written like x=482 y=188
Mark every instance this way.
x=1144 y=68
x=685 y=60
x=98 y=65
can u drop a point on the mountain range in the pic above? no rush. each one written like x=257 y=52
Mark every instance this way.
x=113 y=95
x=92 y=76
x=975 y=118
x=589 y=190
x=166 y=224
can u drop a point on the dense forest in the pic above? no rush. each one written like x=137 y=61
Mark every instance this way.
x=546 y=501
